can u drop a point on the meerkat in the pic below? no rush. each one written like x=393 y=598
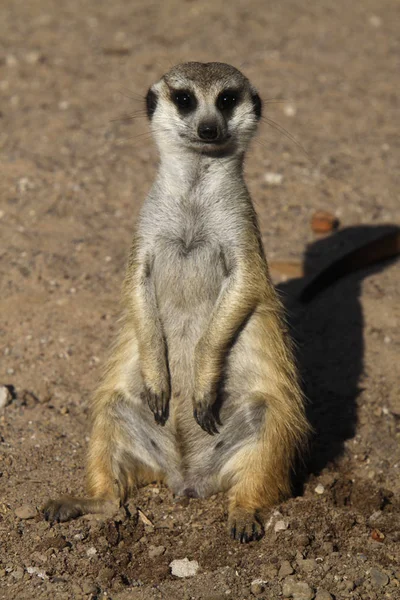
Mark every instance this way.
x=201 y=389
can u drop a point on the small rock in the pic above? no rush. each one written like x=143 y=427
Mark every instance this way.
x=308 y=564
x=36 y=571
x=106 y=575
x=323 y=222
x=280 y=526
x=91 y=551
x=24 y=184
x=375 y=21
x=88 y=587
x=5 y=396
x=25 y=512
x=11 y=61
x=378 y=578
x=155 y=551
x=184 y=567
x=18 y=573
x=377 y=535
x=273 y=178
x=323 y=595
x=298 y=590
x=290 y=110
x=319 y=489
x=32 y=57
x=285 y=570
x=257 y=587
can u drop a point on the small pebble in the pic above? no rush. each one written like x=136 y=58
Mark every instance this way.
x=273 y=178
x=323 y=222
x=280 y=526
x=91 y=551
x=155 y=551
x=5 y=397
x=323 y=595
x=308 y=564
x=25 y=512
x=298 y=590
x=289 y=110
x=11 y=61
x=88 y=587
x=377 y=535
x=378 y=578
x=319 y=489
x=37 y=571
x=106 y=575
x=18 y=573
x=32 y=57
x=184 y=567
x=375 y=21
x=257 y=587
x=285 y=570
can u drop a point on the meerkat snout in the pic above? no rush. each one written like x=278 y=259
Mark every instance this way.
x=204 y=107
x=208 y=131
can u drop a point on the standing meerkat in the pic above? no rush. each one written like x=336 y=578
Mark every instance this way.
x=201 y=389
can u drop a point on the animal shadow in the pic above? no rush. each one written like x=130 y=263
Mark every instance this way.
x=329 y=337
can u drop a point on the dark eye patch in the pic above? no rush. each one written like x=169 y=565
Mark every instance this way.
x=184 y=100
x=151 y=103
x=227 y=100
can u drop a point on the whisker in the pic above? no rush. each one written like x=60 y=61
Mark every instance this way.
x=286 y=133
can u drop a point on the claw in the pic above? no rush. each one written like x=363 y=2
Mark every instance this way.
x=206 y=419
x=158 y=404
x=246 y=528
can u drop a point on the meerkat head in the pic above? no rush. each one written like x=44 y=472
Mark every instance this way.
x=209 y=108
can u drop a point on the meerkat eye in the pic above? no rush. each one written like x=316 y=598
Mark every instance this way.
x=185 y=101
x=227 y=100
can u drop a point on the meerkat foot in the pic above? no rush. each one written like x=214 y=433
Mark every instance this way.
x=68 y=507
x=206 y=418
x=245 y=526
x=158 y=404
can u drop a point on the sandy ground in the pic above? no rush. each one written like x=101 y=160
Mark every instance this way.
x=75 y=169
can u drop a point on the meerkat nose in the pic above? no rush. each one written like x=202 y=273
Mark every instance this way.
x=208 y=131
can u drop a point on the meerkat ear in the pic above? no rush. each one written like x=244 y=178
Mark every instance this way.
x=151 y=103
x=257 y=104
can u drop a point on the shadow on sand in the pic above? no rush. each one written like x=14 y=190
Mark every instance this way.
x=330 y=342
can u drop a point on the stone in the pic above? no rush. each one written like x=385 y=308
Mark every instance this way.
x=184 y=567
x=5 y=397
x=280 y=526
x=323 y=595
x=272 y=178
x=319 y=489
x=88 y=587
x=298 y=590
x=25 y=512
x=378 y=578
x=18 y=573
x=155 y=551
x=257 y=587
x=285 y=570
x=308 y=564
x=106 y=574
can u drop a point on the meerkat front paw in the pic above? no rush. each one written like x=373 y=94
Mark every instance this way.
x=245 y=526
x=157 y=398
x=204 y=413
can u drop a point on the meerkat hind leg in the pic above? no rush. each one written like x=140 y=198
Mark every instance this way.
x=263 y=470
